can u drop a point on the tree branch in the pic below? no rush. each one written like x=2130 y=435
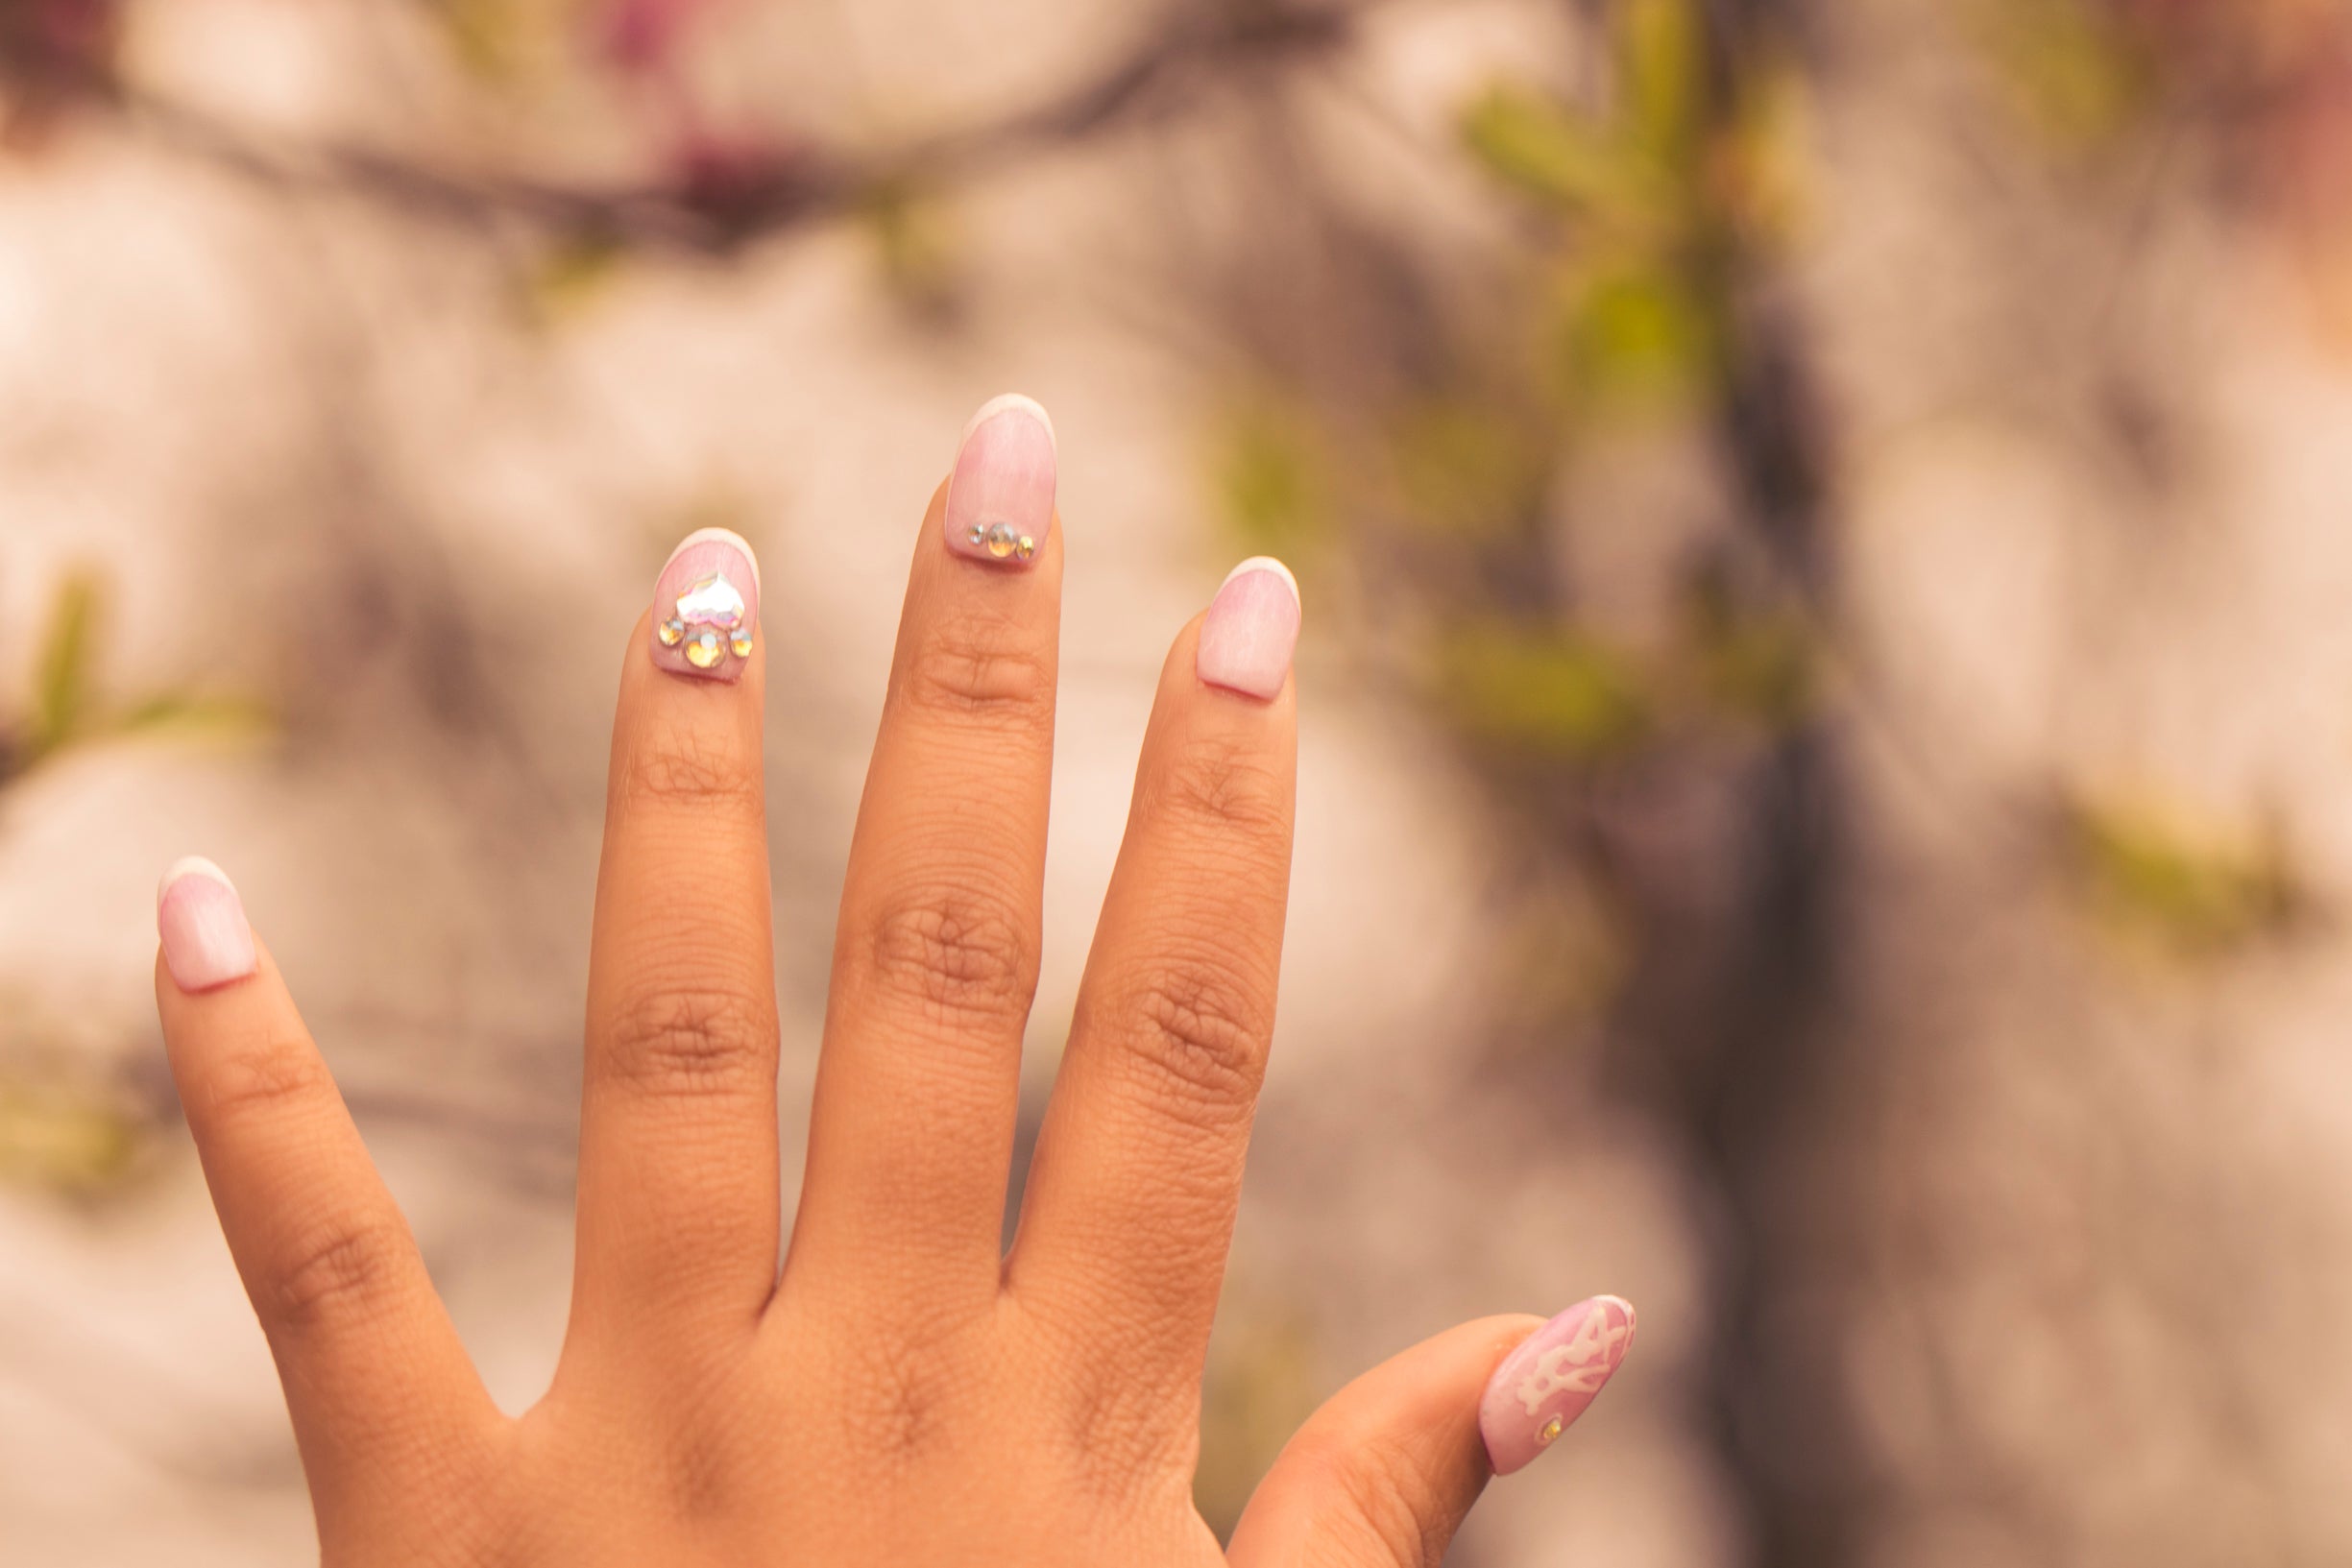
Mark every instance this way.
x=717 y=208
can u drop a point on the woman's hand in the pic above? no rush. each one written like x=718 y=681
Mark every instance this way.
x=894 y=1388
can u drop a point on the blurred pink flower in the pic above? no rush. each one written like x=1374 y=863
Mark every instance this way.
x=723 y=172
x=642 y=35
x=51 y=52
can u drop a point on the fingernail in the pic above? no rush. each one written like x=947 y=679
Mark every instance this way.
x=706 y=606
x=1000 y=500
x=1548 y=1381
x=1252 y=625
x=206 y=941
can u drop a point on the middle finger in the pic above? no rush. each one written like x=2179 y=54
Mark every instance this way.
x=936 y=951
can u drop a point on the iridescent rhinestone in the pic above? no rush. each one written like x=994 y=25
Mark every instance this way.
x=713 y=601
x=1551 y=1430
x=742 y=644
x=977 y=534
x=705 y=648
x=1026 y=548
x=1002 y=540
x=671 y=633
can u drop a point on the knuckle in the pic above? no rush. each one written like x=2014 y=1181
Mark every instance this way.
x=1127 y=1434
x=1228 y=784
x=687 y=768
x=1203 y=1033
x=985 y=667
x=268 y=1079
x=898 y=1397
x=957 y=954
x=344 y=1271
x=689 y=1041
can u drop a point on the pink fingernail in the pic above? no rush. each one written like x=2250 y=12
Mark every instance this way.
x=1000 y=500
x=706 y=606
x=1252 y=625
x=206 y=941
x=1548 y=1381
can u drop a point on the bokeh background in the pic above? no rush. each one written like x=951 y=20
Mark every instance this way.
x=1827 y=792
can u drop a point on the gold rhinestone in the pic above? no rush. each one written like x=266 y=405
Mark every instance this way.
x=1026 y=548
x=671 y=633
x=742 y=644
x=705 y=649
x=1551 y=1430
x=1002 y=541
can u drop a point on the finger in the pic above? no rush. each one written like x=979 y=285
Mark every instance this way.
x=1385 y=1471
x=678 y=1204
x=378 y=1387
x=935 y=954
x=1129 y=1203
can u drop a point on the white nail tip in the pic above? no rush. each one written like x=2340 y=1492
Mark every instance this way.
x=1265 y=563
x=190 y=865
x=727 y=536
x=1005 y=403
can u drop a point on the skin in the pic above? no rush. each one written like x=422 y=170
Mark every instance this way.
x=890 y=1386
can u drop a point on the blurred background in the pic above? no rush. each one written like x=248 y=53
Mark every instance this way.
x=1827 y=793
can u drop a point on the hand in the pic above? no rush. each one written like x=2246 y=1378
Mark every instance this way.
x=895 y=1388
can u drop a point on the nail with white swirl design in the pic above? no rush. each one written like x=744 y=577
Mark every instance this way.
x=1548 y=1382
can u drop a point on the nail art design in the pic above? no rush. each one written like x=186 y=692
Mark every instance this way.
x=1548 y=1382
x=1000 y=498
x=1252 y=629
x=705 y=605
x=201 y=921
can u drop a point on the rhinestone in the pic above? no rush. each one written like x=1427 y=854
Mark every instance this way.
x=1551 y=1430
x=713 y=601
x=1002 y=540
x=1026 y=548
x=742 y=644
x=705 y=648
x=671 y=633
x=977 y=534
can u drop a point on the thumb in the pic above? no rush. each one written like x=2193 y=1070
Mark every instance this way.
x=1385 y=1471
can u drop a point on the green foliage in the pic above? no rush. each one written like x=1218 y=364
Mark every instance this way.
x=57 y=1138
x=1662 y=69
x=1544 y=691
x=66 y=709
x=573 y=271
x=61 y=683
x=2151 y=875
x=1637 y=334
x=1534 y=145
x=1271 y=479
x=492 y=39
x=1631 y=168
x=915 y=244
x=1470 y=471
x=1259 y=1388
x=1763 y=669
x=1665 y=186
x=2078 y=72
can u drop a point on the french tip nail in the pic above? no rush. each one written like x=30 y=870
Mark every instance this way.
x=1000 y=494
x=1268 y=564
x=201 y=923
x=1545 y=1383
x=724 y=536
x=1003 y=403
x=1251 y=632
x=189 y=865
